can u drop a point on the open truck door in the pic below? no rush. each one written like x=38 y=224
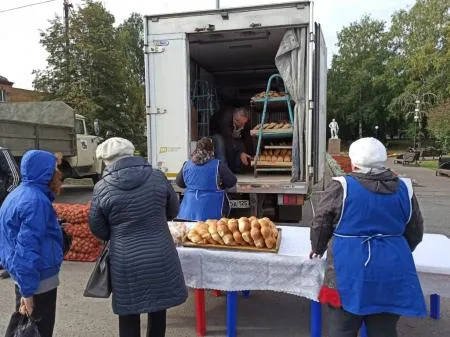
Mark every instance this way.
x=319 y=133
x=167 y=101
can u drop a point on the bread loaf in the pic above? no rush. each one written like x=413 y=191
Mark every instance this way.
x=212 y=229
x=226 y=234
x=194 y=237
x=244 y=229
x=260 y=233
x=256 y=235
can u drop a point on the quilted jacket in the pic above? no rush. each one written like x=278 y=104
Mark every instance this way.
x=130 y=207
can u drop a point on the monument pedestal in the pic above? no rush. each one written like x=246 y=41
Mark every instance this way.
x=334 y=146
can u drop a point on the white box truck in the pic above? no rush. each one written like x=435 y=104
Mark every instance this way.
x=236 y=50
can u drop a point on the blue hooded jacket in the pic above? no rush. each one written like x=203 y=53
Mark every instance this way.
x=31 y=243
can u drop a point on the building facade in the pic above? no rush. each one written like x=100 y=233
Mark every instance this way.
x=9 y=94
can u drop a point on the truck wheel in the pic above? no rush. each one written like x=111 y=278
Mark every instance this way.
x=96 y=178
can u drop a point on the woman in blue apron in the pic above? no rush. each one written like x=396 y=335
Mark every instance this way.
x=204 y=179
x=370 y=222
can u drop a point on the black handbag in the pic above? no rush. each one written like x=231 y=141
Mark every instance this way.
x=99 y=283
x=67 y=241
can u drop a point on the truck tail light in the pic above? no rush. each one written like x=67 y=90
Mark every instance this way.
x=290 y=199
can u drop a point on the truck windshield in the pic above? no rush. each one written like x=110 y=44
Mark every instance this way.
x=79 y=127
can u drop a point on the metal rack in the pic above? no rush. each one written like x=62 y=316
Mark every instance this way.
x=204 y=98
x=273 y=133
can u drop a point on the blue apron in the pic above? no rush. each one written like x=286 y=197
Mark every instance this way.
x=375 y=270
x=203 y=199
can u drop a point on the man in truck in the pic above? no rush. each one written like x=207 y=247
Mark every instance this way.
x=230 y=128
x=9 y=180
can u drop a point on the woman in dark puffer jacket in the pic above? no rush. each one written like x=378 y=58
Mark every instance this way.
x=130 y=207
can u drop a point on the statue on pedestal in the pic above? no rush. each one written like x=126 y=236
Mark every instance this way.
x=334 y=127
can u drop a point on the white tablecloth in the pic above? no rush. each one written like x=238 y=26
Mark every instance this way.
x=432 y=258
x=291 y=271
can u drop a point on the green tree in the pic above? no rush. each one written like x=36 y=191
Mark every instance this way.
x=103 y=77
x=131 y=42
x=439 y=123
x=419 y=42
x=357 y=93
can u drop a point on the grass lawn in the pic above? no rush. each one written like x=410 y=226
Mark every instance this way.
x=431 y=164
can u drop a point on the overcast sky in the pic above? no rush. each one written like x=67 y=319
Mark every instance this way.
x=20 y=51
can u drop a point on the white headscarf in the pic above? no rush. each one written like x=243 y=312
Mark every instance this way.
x=114 y=149
x=369 y=155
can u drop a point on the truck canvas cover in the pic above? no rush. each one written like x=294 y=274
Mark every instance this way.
x=53 y=113
x=37 y=125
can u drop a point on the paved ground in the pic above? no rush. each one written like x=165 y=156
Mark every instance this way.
x=265 y=314
x=433 y=194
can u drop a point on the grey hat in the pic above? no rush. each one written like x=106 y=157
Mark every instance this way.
x=114 y=149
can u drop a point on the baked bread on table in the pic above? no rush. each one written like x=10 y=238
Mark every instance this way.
x=251 y=232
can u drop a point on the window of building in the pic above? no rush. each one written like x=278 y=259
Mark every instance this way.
x=2 y=95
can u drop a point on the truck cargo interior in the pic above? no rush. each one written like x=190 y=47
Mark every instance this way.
x=230 y=67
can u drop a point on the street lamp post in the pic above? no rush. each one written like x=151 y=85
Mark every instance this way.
x=416 y=105
x=376 y=131
x=416 y=121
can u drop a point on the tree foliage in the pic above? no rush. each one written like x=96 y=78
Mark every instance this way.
x=386 y=66
x=101 y=73
x=357 y=94
x=439 y=123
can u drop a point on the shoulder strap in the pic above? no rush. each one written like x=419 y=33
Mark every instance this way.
x=343 y=181
x=409 y=186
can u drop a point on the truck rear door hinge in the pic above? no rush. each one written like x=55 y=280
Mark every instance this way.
x=154 y=49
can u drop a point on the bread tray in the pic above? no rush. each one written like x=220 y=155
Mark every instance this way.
x=275 y=250
x=264 y=163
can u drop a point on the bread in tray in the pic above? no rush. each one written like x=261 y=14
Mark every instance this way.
x=276 y=155
x=247 y=232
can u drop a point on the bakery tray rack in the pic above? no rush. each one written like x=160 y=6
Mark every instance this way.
x=272 y=133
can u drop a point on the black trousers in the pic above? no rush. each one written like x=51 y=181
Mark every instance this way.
x=344 y=324
x=130 y=326
x=44 y=311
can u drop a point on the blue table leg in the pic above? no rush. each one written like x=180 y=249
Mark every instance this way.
x=232 y=298
x=316 y=319
x=364 y=331
x=246 y=293
x=435 y=306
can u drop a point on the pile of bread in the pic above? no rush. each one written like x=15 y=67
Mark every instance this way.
x=271 y=93
x=273 y=126
x=251 y=232
x=276 y=155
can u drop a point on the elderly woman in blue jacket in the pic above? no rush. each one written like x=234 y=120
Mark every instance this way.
x=205 y=180
x=31 y=241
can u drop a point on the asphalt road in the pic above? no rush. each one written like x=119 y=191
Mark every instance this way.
x=264 y=314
